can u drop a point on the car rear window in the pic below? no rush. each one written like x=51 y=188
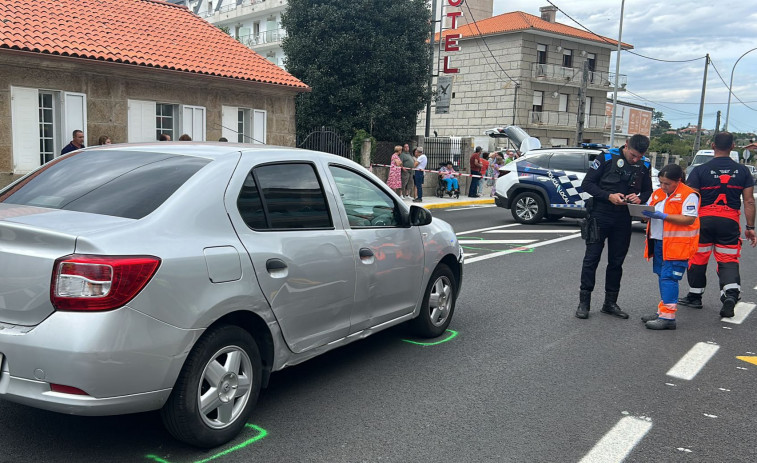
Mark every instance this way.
x=129 y=184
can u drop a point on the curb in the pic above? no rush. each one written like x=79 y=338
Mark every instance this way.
x=457 y=203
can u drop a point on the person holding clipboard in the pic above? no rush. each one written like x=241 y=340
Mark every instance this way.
x=672 y=239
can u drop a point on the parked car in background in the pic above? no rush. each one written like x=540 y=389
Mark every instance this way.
x=753 y=170
x=703 y=156
x=180 y=276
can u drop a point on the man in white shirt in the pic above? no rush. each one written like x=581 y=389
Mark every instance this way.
x=420 y=165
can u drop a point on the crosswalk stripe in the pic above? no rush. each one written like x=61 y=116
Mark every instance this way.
x=741 y=311
x=694 y=360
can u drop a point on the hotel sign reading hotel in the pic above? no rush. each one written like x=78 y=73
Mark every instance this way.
x=450 y=40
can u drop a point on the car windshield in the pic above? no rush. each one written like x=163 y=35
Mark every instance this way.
x=127 y=184
x=702 y=158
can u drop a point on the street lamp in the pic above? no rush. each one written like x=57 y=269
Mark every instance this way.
x=730 y=91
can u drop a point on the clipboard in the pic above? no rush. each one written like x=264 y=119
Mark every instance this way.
x=637 y=209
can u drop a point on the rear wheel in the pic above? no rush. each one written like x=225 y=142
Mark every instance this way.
x=438 y=304
x=216 y=390
x=528 y=208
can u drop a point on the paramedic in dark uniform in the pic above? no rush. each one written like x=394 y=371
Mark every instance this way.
x=615 y=178
x=721 y=182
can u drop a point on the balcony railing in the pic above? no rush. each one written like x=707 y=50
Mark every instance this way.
x=264 y=38
x=597 y=79
x=231 y=7
x=565 y=119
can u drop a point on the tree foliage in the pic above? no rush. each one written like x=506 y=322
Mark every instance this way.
x=365 y=60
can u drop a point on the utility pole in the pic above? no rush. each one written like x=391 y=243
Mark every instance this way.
x=582 y=104
x=431 y=70
x=717 y=124
x=617 y=77
x=701 y=104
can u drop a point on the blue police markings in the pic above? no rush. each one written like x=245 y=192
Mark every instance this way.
x=567 y=188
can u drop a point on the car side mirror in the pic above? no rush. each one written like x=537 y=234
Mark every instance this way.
x=419 y=216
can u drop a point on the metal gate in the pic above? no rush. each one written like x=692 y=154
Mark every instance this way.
x=327 y=140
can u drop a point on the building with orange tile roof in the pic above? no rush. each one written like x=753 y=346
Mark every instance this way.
x=518 y=68
x=130 y=70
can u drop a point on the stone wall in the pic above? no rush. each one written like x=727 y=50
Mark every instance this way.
x=108 y=86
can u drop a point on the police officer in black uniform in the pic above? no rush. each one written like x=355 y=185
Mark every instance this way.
x=620 y=176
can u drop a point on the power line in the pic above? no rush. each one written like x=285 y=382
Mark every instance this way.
x=662 y=105
x=728 y=87
x=604 y=39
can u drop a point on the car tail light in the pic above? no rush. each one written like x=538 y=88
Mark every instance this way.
x=95 y=283
x=63 y=389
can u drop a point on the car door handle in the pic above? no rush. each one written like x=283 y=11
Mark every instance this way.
x=365 y=253
x=277 y=268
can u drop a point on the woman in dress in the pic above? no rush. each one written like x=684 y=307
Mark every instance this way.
x=394 y=181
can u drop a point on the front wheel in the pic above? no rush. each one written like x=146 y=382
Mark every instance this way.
x=528 y=208
x=216 y=390
x=438 y=304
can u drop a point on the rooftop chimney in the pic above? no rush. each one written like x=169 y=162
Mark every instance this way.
x=548 y=13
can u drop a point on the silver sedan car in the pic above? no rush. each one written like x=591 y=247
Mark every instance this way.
x=179 y=276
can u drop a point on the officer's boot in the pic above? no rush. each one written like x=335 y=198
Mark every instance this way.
x=729 y=300
x=611 y=307
x=691 y=300
x=584 y=300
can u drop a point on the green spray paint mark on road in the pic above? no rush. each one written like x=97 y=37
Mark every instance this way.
x=261 y=434
x=426 y=344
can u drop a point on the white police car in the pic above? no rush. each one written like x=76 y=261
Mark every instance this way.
x=546 y=183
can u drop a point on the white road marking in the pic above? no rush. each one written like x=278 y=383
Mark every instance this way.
x=694 y=360
x=531 y=231
x=741 y=311
x=521 y=248
x=709 y=416
x=755 y=287
x=619 y=441
x=468 y=232
x=495 y=241
x=470 y=255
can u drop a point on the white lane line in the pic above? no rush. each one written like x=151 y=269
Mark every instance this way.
x=468 y=232
x=495 y=241
x=694 y=360
x=468 y=256
x=741 y=311
x=619 y=441
x=521 y=248
x=531 y=231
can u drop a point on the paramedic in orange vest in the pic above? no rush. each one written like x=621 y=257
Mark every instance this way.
x=672 y=239
x=722 y=183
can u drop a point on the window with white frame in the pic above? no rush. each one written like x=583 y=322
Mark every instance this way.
x=538 y=99
x=541 y=53
x=562 y=105
x=148 y=119
x=166 y=120
x=567 y=58
x=244 y=125
x=42 y=123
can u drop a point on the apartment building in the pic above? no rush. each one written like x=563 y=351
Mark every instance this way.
x=518 y=68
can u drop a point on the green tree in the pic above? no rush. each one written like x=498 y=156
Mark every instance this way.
x=366 y=62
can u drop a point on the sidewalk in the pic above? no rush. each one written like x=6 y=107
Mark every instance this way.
x=433 y=202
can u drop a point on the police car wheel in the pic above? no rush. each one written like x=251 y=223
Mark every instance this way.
x=528 y=208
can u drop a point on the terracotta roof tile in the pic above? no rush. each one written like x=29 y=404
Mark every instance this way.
x=138 y=32
x=518 y=21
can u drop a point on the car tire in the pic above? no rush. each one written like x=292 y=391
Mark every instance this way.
x=225 y=358
x=438 y=304
x=528 y=208
x=553 y=217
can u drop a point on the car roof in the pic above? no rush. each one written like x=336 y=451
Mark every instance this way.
x=209 y=150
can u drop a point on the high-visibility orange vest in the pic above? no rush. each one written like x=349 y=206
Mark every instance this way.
x=679 y=242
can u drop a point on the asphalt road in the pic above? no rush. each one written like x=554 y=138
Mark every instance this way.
x=523 y=379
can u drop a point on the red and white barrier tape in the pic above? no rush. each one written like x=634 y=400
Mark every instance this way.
x=457 y=174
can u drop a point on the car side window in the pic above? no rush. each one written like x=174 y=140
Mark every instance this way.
x=366 y=204
x=286 y=196
x=541 y=159
x=571 y=160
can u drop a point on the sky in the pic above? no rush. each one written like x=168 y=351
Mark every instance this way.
x=675 y=30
